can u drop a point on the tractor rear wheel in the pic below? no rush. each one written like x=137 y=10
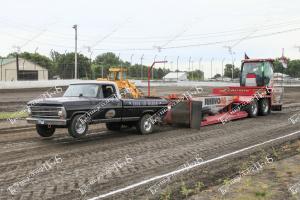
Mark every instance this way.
x=263 y=107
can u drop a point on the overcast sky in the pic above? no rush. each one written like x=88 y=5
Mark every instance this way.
x=196 y=29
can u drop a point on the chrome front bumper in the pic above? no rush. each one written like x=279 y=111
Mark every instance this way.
x=46 y=121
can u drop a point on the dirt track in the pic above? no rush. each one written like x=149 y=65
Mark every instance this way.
x=22 y=151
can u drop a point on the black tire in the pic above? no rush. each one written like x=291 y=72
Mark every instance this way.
x=145 y=126
x=263 y=107
x=45 y=130
x=252 y=109
x=77 y=127
x=113 y=126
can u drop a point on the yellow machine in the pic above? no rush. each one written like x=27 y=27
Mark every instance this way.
x=127 y=88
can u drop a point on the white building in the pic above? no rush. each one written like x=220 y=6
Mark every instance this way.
x=27 y=70
x=174 y=76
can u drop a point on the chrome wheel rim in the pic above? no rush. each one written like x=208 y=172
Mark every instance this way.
x=147 y=125
x=265 y=106
x=254 y=108
x=80 y=127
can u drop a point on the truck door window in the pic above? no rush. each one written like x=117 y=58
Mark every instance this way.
x=108 y=91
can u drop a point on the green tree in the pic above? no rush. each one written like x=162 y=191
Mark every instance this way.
x=105 y=61
x=228 y=71
x=197 y=75
x=65 y=65
x=217 y=76
x=293 y=68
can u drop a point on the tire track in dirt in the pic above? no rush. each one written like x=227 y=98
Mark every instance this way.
x=153 y=154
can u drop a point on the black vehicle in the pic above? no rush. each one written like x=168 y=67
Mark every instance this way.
x=92 y=102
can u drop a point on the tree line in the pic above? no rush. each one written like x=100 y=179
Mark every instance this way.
x=62 y=65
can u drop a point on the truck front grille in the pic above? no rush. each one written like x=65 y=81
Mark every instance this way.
x=45 y=111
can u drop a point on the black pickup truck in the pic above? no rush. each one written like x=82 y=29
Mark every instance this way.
x=92 y=102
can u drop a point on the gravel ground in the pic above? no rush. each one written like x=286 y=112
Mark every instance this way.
x=80 y=161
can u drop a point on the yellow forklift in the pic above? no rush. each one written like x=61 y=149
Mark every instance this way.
x=127 y=88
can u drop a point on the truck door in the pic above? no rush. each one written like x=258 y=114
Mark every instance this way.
x=109 y=107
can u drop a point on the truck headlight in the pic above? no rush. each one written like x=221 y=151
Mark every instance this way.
x=62 y=113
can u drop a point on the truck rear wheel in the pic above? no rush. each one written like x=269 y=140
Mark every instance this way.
x=113 y=126
x=45 y=130
x=263 y=107
x=252 y=109
x=144 y=125
x=78 y=127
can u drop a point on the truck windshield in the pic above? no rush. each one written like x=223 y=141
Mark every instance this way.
x=84 y=90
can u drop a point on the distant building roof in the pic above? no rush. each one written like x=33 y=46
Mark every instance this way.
x=174 y=74
x=4 y=61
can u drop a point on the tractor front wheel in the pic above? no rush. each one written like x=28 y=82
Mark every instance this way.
x=252 y=109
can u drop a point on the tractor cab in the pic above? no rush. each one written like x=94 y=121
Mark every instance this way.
x=256 y=72
x=117 y=74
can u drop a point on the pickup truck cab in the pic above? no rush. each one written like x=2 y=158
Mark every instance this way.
x=92 y=102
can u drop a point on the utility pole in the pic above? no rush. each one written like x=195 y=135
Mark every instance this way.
x=223 y=68
x=35 y=51
x=153 y=69
x=190 y=63
x=171 y=65
x=18 y=50
x=17 y=63
x=231 y=53
x=102 y=71
x=192 y=70
x=131 y=59
x=75 y=27
x=211 y=66
x=130 y=64
x=200 y=60
x=120 y=60
x=165 y=63
x=142 y=66
x=177 y=66
x=91 y=52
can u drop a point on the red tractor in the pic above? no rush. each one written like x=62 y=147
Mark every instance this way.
x=260 y=91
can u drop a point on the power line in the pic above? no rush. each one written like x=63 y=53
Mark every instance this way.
x=232 y=40
x=172 y=47
x=159 y=38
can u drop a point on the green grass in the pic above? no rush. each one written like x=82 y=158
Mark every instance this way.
x=7 y=115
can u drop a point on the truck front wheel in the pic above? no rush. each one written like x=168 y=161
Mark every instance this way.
x=45 y=130
x=113 y=126
x=78 y=127
x=144 y=125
